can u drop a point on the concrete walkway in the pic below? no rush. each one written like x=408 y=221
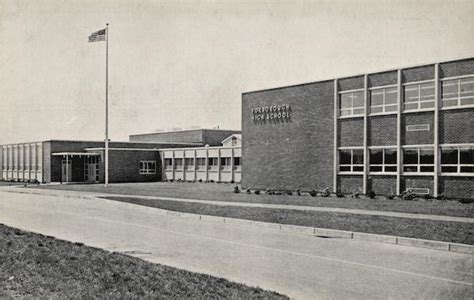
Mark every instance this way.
x=245 y=204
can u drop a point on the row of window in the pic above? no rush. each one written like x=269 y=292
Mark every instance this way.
x=418 y=96
x=458 y=160
x=212 y=163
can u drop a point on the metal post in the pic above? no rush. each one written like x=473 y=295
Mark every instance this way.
x=399 y=131
x=436 y=149
x=67 y=169
x=335 y=152
x=106 y=105
x=366 y=156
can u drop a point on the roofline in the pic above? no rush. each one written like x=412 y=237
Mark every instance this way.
x=199 y=148
x=230 y=136
x=126 y=142
x=360 y=74
x=185 y=130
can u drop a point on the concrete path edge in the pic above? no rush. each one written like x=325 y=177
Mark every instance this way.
x=319 y=232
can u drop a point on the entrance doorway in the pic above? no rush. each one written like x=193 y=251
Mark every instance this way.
x=66 y=170
x=91 y=169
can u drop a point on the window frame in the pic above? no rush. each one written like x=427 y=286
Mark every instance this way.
x=351 y=165
x=383 y=165
x=213 y=166
x=458 y=97
x=176 y=166
x=166 y=165
x=418 y=165
x=145 y=169
x=352 y=108
x=189 y=166
x=458 y=165
x=200 y=167
x=419 y=102
x=384 y=105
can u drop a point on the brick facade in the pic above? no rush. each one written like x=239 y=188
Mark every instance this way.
x=350 y=132
x=382 y=130
x=349 y=184
x=457 y=187
x=293 y=153
x=456 y=126
x=417 y=137
x=383 y=185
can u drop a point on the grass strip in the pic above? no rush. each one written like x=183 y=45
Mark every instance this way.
x=34 y=265
x=224 y=192
x=455 y=232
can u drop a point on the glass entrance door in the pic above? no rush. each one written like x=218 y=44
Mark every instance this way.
x=66 y=171
x=91 y=169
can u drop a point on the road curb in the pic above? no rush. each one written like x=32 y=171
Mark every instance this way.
x=315 y=231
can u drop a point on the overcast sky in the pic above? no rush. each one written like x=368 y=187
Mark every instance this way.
x=177 y=65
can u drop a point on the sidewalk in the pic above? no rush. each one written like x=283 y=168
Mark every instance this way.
x=67 y=193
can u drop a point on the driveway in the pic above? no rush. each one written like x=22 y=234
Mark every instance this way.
x=301 y=266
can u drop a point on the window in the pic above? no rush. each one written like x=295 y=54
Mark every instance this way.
x=189 y=163
x=178 y=163
x=168 y=164
x=212 y=163
x=237 y=163
x=225 y=163
x=351 y=160
x=147 y=167
x=418 y=160
x=383 y=100
x=419 y=96
x=457 y=92
x=457 y=160
x=383 y=160
x=201 y=163
x=351 y=104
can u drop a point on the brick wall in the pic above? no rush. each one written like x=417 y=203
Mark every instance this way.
x=383 y=185
x=417 y=137
x=457 y=68
x=350 y=83
x=457 y=187
x=456 y=126
x=418 y=73
x=291 y=153
x=417 y=182
x=350 y=132
x=124 y=166
x=349 y=184
x=382 y=130
x=384 y=78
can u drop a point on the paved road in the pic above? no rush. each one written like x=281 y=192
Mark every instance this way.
x=301 y=266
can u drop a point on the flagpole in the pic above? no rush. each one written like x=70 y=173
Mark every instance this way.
x=106 y=105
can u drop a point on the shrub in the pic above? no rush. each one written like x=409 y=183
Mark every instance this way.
x=289 y=193
x=371 y=194
x=298 y=192
x=236 y=190
x=325 y=192
x=257 y=192
x=339 y=195
x=232 y=181
x=466 y=200
x=200 y=180
x=391 y=197
x=248 y=191
x=313 y=193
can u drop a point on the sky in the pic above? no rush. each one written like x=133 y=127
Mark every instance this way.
x=183 y=64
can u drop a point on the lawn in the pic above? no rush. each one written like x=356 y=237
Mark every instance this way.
x=224 y=192
x=37 y=266
x=455 y=232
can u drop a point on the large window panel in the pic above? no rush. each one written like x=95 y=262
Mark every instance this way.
x=418 y=96
x=351 y=104
x=457 y=160
x=351 y=160
x=383 y=100
x=418 y=160
x=383 y=160
x=457 y=92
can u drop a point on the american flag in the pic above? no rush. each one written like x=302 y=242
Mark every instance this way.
x=97 y=36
